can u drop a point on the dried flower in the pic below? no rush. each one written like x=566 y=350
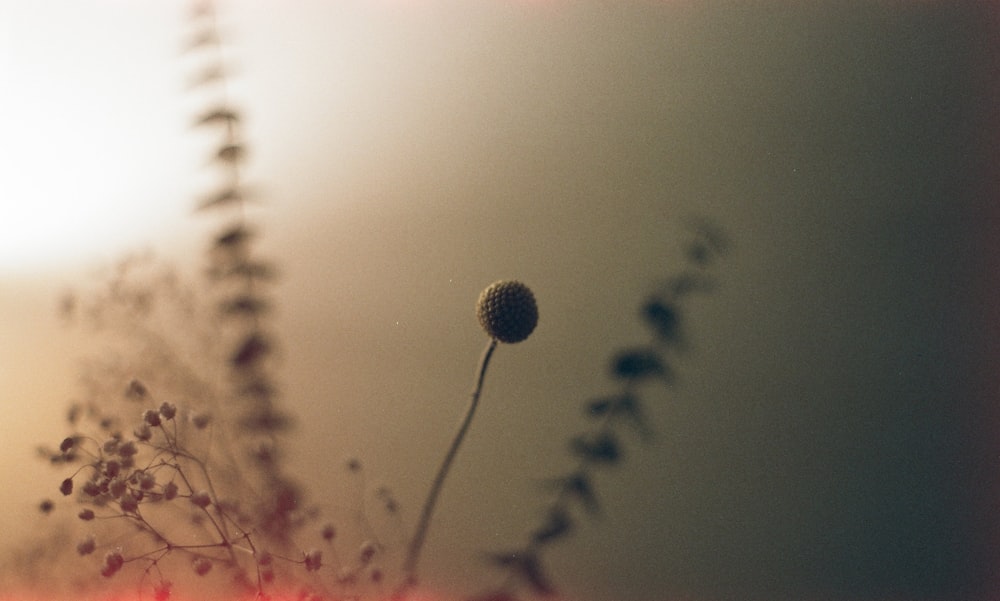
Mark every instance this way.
x=201 y=420
x=146 y=480
x=201 y=499
x=129 y=503
x=507 y=311
x=113 y=562
x=169 y=491
x=152 y=418
x=143 y=432
x=86 y=546
x=201 y=566
x=136 y=390
x=313 y=560
x=368 y=549
x=117 y=487
x=168 y=410
x=128 y=449
x=111 y=445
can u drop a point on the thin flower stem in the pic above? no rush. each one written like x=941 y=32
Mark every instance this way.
x=413 y=553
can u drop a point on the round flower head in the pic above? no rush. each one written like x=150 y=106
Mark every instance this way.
x=507 y=311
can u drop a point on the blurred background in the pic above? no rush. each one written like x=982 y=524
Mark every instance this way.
x=830 y=435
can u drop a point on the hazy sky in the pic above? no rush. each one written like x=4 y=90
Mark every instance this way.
x=821 y=442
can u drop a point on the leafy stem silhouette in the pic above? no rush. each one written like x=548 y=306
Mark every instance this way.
x=601 y=446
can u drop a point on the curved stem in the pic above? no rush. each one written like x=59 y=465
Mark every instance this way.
x=413 y=553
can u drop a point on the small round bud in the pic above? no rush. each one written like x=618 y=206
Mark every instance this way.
x=136 y=390
x=201 y=420
x=113 y=562
x=86 y=546
x=507 y=311
x=147 y=481
x=168 y=410
x=313 y=560
x=128 y=449
x=66 y=488
x=118 y=487
x=86 y=515
x=152 y=418
x=111 y=445
x=143 y=433
x=368 y=549
x=169 y=491
x=201 y=566
x=92 y=488
x=129 y=503
x=201 y=499
x=67 y=444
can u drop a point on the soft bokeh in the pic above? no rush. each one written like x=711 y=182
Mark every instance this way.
x=825 y=437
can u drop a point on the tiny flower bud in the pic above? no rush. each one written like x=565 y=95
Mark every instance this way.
x=86 y=515
x=128 y=449
x=112 y=468
x=129 y=503
x=92 y=488
x=113 y=562
x=143 y=432
x=136 y=390
x=67 y=444
x=169 y=491
x=168 y=410
x=146 y=480
x=329 y=532
x=111 y=445
x=152 y=418
x=201 y=420
x=66 y=488
x=201 y=566
x=86 y=546
x=117 y=487
x=368 y=549
x=201 y=499
x=313 y=560
x=507 y=311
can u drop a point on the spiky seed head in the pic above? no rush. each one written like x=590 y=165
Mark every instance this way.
x=507 y=311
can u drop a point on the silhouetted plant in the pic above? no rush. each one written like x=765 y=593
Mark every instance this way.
x=508 y=313
x=601 y=446
x=174 y=459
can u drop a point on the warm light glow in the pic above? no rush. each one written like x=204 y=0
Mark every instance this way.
x=89 y=121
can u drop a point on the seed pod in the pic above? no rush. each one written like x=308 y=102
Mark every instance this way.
x=507 y=311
